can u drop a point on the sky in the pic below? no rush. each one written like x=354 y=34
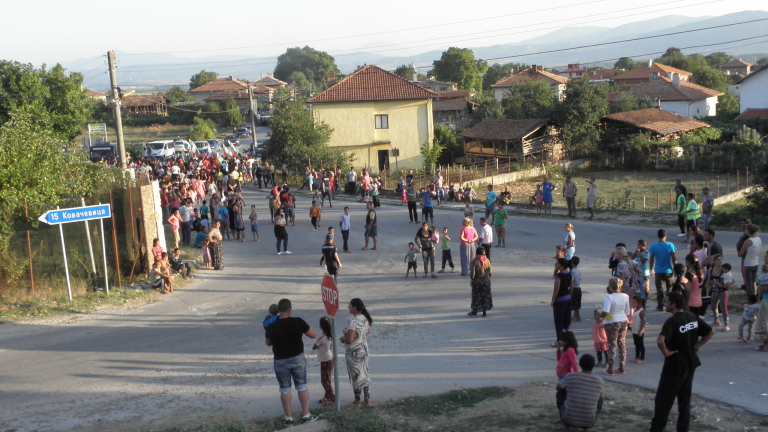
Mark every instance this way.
x=51 y=31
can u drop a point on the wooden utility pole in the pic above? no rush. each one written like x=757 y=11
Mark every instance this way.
x=253 y=108
x=116 y=102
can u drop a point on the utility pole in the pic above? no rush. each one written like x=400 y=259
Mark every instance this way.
x=116 y=101
x=253 y=116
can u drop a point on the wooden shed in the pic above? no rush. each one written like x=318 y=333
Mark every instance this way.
x=518 y=139
x=661 y=125
x=144 y=105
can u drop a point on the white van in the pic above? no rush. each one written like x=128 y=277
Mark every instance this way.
x=183 y=145
x=159 y=149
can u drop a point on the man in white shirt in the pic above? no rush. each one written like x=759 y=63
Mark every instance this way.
x=351 y=181
x=485 y=237
x=344 y=223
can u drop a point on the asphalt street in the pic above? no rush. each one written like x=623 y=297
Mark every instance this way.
x=198 y=355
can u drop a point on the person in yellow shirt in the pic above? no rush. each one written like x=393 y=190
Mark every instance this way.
x=314 y=214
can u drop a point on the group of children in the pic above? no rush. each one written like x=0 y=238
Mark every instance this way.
x=436 y=239
x=164 y=268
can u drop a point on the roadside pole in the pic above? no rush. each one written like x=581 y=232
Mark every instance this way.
x=253 y=108
x=104 y=256
x=330 y=296
x=335 y=365
x=66 y=264
x=116 y=103
x=94 y=277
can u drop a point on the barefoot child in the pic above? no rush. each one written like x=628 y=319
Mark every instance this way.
x=410 y=257
x=324 y=345
x=567 y=349
x=576 y=296
x=748 y=317
x=539 y=195
x=600 y=339
x=638 y=330
x=446 y=248
x=254 y=223
x=206 y=254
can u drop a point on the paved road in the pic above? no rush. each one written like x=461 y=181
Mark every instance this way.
x=198 y=355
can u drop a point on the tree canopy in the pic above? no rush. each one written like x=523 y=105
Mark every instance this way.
x=488 y=108
x=406 y=71
x=625 y=63
x=315 y=65
x=202 y=129
x=459 y=65
x=201 y=78
x=703 y=73
x=717 y=59
x=177 y=94
x=234 y=116
x=529 y=99
x=583 y=105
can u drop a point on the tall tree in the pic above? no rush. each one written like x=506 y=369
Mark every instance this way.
x=711 y=78
x=579 y=114
x=498 y=71
x=406 y=71
x=625 y=63
x=315 y=65
x=717 y=59
x=488 y=108
x=202 y=129
x=459 y=65
x=201 y=78
x=49 y=96
x=234 y=116
x=447 y=138
x=299 y=80
x=177 y=94
x=762 y=61
x=529 y=99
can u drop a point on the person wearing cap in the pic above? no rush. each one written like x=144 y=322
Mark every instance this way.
x=569 y=193
x=330 y=255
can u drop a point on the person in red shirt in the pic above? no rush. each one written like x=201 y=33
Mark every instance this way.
x=567 y=348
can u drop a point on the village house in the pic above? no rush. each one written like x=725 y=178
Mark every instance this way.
x=601 y=76
x=513 y=139
x=659 y=124
x=97 y=96
x=144 y=105
x=453 y=108
x=736 y=66
x=270 y=81
x=378 y=117
x=573 y=72
x=216 y=86
x=533 y=73
x=680 y=97
x=754 y=90
x=437 y=86
x=262 y=96
x=646 y=73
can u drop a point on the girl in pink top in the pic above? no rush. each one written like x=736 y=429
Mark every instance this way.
x=468 y=237
x=694 y=298
x=567 y=348
x=599 y=339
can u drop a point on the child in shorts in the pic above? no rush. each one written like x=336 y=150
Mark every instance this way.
x=576 y=296
x=410 y=257
x=748 y=317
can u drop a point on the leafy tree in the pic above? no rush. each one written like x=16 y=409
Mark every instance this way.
x=299 y=80
x=498 y=71
x=282 y=97
x=763 y=60
x=717 y=59
x=201 y=78
x=234 y=116
x=297 y=138
x=315 y=65
x=447 y=138
x=406 y=71
x=529 y=99
x=728 y=106
x=430 y=153
x=459 y=65
x=202 y=129
x=711 y=78
x=626 y=101
x=489 y=108
x=625 y=63
x=177 y=94
x=49 y=96
x=211 y=111
x=579 y=114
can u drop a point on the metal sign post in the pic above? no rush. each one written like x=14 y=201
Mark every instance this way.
x=330 y=295
x=78 y=214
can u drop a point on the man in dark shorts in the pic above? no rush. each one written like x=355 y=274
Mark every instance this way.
x=681 y=336
x=331 y=257
x=370 y=226
x=284 y=336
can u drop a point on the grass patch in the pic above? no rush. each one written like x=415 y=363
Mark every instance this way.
x=451 y=401
x=357 y=420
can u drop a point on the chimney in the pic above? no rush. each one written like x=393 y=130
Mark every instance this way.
x=331 y=79
x=230 y=77
x=512 y=71
x=676 y=79
x=670 y=74
x=415 y=76
x=650 y=63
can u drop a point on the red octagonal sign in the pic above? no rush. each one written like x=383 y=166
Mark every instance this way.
x=330 y=296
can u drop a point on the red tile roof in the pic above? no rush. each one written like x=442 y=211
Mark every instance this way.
x=453 y=94
x=531 y=74
x=237 y=94
x=663 y=88
x=601 y=74
x=372 y=83
x=270 y=81
x=643 y=72
x=754 y=113
x=504 y=129
x=95 y=94
x=220 y=84
x=657 y=121
x=735 y=63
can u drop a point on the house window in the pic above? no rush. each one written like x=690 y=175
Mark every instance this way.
x=382 y=121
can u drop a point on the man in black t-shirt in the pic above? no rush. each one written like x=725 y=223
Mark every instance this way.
x=284 y=336
x=681 y=336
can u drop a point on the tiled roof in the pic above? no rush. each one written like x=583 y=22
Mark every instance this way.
x=656 y=120
x=504 y=129
x=574 y=70
x=143 y=100
x=372 y=83
x=531 y=74
x=643 y=72
x=453 y=94
x=270 y=81
x=601 y=74
x=663 y=88
x=220 y=84
x=754 y=113
x=95 y=94
x=735 y=63
x=451 y=105
x=237 y=94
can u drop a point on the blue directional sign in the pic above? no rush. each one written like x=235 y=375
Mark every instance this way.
x=78 y=214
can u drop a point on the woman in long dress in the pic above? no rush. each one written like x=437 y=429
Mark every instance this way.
x=237 y=212
x=480 y=275
x=216 y=247
x=356 y=339
x=468 y=238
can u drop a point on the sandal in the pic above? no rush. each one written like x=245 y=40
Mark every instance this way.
x=323 y=400
x=355 y=404
x=367 y=403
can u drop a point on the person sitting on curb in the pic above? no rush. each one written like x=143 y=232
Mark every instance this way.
x=179 y=266
x=580 y=395
x=160 y=279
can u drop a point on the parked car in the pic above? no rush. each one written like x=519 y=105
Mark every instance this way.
x=163 y=149
x=214 y=143
x=203 y=146
x=231 y=139
x=264 y=119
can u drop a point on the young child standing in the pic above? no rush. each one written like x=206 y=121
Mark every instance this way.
x=576 y=296
x=638 y=331
x=567 y=349
x=721 y=279
x=272 y=317
x=446 y=248
x=641 y=260
x=175 y=221
x=254 y=223
x=539 y=195
x=410 y=257
x=314 y=214
x=748 y=317
x=599 y=339
x=206 y=254
x=469 y=212
x=324 y=345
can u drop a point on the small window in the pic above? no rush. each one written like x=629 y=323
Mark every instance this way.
x=382 y=121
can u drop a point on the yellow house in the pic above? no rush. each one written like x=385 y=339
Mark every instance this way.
x=379 y=117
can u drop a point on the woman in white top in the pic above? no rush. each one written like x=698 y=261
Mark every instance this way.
x=750 y=251
x=569 y=242
x=615 y=311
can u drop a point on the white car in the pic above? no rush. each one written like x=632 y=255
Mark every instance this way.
x=203 y=146
x=163 y=149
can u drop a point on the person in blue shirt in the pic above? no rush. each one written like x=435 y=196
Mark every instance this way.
x=426 y=207
x=490 y=204
x=204 y=210
x=547 y=188
x=662 y=259
x=201 y=235
x=225 y=233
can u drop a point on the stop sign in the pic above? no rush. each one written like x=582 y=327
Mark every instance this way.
x=330 y=296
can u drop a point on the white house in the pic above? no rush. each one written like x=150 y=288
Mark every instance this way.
x=754 y=90
x=679 y=96
x=533 y=73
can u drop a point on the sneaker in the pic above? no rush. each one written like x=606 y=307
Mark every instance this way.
x=288 y=422
x=453 y=270
x=287 y=252
x=726 y=328
x=279 y=253
x=434 y=275
x=681 y=235
x=309 y=418
x=716 y=323
x=441 y=271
